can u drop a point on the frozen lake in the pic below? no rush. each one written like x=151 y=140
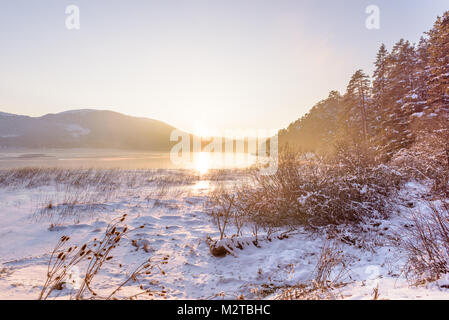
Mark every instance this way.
x=124 y=159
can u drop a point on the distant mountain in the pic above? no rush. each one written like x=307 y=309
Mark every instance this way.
x=84 y=129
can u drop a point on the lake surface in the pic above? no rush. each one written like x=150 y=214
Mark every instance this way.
x=123 y=159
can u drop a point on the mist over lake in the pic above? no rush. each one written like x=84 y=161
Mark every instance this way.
x=117 y=159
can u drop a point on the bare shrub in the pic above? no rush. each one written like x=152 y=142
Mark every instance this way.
x=427 y=244
x=318 y=191
x=221 y=209
x=426 y=160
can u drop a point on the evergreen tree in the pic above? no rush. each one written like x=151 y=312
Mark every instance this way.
x=422 y=73
x=356 y=100
x=409 y=97
x=438 y=83
x=394 y=117
x=380 y=77
x=380 y=93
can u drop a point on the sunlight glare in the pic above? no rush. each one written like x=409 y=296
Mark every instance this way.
x=202 y=164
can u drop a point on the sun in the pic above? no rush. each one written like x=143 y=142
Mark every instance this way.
x=202 y=162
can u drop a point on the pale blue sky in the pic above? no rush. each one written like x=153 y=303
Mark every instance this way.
x=199 y=65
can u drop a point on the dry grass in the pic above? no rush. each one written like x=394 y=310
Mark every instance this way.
x=427 y=160
x=94 y=255
x=102 y=180
x=71 y=202
x=221 y=208
x=331 y=266
x=427 y=244
x=347 y=189
x=80 y=192
x=328 y=277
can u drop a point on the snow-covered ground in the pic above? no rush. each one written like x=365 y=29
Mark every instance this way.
x=177 y=225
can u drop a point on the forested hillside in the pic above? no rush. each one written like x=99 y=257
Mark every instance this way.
x=405 y=100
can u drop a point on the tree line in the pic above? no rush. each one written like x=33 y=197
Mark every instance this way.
x=406 y=97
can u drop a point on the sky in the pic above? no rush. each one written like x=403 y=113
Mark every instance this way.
x=205 y=66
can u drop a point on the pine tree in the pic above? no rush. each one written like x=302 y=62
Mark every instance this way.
x=399 y=82
x=438 y=83
x=380 y=93
x=416 y=99
x=439 y=65
x=357 y=99
x=422 y=73
x=380 y=76
x=409 y=98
